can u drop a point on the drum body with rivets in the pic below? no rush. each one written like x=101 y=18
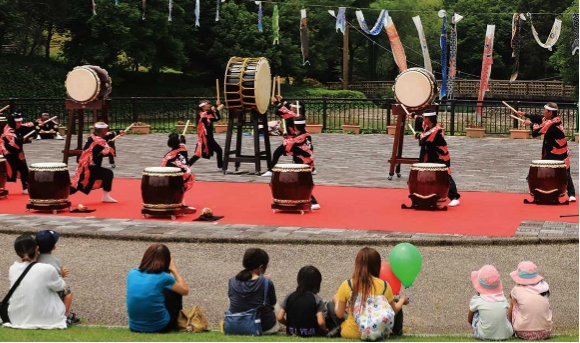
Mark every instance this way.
x=49 y=184
x=247 y=84
x=291 y=184
x=88 y=83
x=162 y=189
x=548 y=176
x=427 y=179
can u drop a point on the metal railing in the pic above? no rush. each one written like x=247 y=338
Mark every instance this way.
x=373 y=115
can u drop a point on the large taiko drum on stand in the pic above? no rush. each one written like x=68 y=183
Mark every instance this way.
x=3 y=177
x=162 y=191
x=428 y=186
x=416 y=88
x=291 y=186
x=88 y=83
x=247 y=84
x=48 y=187
x=547 y=181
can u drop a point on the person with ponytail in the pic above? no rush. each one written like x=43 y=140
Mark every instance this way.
x=246 y=290
x=365 y=281
x=35 y=303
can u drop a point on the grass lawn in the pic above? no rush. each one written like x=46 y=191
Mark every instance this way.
x=101 y=334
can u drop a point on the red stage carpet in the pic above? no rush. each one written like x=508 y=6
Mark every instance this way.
x=480 y=213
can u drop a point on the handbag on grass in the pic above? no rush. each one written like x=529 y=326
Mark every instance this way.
x=246 y=323
x=191 y=320
x=4 y=304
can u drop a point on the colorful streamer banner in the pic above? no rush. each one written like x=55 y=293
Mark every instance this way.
x=170 y=18
x=423 y=41
x=275 y=26
x=94 y=8
x=116 y=2
x=340 y=19
x=378 y=25
x=304 y=37
x=396 y=45
x=452 y=55
x=575 y=23
x=260 y=15
x=443 y=45
x=516 y=43
x=144 y=8
x=485 y=67
x=196 y=13
x=552 y=38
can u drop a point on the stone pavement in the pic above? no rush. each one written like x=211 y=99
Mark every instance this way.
x=489 y=164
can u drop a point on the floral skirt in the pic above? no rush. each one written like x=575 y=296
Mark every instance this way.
x=528 y=335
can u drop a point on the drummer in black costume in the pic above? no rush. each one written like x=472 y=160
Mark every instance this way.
x=434 y=149
x=11 y=146
x=206 y=144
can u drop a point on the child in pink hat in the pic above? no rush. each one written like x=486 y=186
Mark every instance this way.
x=530 y=311
x=488 y=309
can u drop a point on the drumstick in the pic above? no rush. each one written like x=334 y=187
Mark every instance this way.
x=117 y=136
x=278 y=85
x=274 y=86
x=508 y=106
x=4 y=108
x=409 y=124
x=520 y=119
x=186 y=125
x=217 y=88
x=44 y=122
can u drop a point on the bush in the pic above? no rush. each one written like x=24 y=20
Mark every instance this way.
x=31 y=77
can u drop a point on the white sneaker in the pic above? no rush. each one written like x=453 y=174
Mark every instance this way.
x=315 y=207
x=266 y=174
x=38 y=137
x=107 y=198
x=25 y=192
x=219 y=170
x=113 y=165
x=572 y=199
x=314 y=172
x=59 y=137
x=453 y=203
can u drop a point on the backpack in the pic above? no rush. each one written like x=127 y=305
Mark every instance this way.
x=191 y=320
x=375 y=317
x=248 y=322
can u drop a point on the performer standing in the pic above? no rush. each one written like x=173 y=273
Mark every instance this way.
x=555 y=145
x=89 y=174
x=12 y=149
x=47 y=130
x=206 y=144
x=177 y=158
x=434 y=150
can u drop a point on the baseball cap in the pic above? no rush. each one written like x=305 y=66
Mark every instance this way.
x=46 y=240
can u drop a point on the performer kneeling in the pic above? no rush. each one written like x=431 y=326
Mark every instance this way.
x=12 y=147
x=46 y=129
x=89 y=169
x=555 y=145
x=177 y=158
x=434 y=150
x=206 y=144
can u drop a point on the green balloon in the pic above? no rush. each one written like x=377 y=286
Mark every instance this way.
x=405 y=260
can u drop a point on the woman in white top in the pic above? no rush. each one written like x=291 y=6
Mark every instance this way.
x=35 y=303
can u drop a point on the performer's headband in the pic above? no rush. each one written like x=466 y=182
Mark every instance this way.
x=300 y=122
x=294 y=105
x=101 y=125
x=429 y=114
x=45 y=114
x=17 y=119
x=202 y=104
x=550 y=108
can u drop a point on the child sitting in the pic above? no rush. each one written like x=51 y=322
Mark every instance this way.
x=530 y=312
x=304 y=309
x=488 y=309
x=46 y=241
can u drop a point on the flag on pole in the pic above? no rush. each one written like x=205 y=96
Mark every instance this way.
x=170 y=18
x=423 y=41
x=396 y=45
x=260 y=14
x=485 y=67
x=443 y=45
x=304 y=37
x=196 y=13
x=452 y=55
x=275 y=27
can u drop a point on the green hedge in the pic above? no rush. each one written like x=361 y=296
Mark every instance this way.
x=31 y=77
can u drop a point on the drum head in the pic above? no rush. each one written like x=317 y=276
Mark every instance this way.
x=429 y=165
x=263 y=86
x=82 y=84
x=414 y=88
x=48 y=165
x=162 y=170
x=291 y=167
x=548 y=163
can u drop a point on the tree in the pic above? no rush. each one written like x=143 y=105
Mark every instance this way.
x=562 y=59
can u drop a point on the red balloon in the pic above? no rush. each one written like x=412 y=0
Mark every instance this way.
x=387 y=275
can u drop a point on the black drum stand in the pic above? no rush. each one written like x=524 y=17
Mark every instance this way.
x=53 y=207
x=426 y=203
x=173 y=212
x=4 y=193
x=240 y=120
x=546 y=198
x=292 y=207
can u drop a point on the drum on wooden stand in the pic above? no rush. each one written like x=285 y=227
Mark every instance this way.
x=162 y=191
x=3 y=177
x=547 y=181
x=88 y=83
x=247 y=84
x=416 y=88
x=291 y=186
x=48 y=187
x=428 y=186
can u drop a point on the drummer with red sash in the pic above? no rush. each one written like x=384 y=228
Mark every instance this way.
x=177 y=158
x=90 y=174
x=434 y=150
x=555 y=145
x=206 y=144
x=11 y=146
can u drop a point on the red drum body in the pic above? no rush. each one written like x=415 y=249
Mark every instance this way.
x=48 y=186
x=428 y=179
x=548 y=177
x=291 y=186
x=162 y=189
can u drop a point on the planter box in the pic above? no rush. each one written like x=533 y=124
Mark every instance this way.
x=391 y=130
x=220 y=128
x=145 y=129
x=475 y=132
x=520 y=134
x=351 y=128
x=575 y=136
x=314 y=128
x=180 y=127
x=62 y=130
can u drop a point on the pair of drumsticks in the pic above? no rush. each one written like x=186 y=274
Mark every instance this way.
x=276 y=80
x=514 y=110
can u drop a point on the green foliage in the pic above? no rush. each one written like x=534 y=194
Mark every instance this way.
x=562 y=59
x=324 y=93
x=31 y=77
